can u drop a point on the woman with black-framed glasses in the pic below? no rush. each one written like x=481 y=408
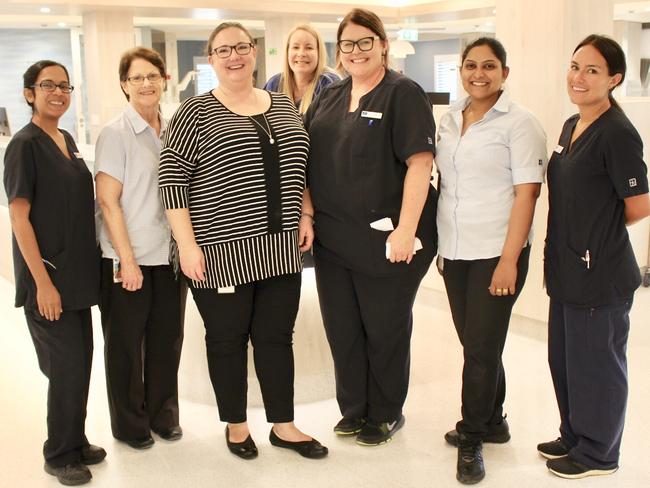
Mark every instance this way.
x=56 y=264
x=232 y=179
x=369 y=176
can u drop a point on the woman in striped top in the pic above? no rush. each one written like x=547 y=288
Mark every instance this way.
x=232 y=177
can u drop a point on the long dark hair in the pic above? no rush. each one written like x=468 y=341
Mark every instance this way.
x=31 y=75
x=614 y=57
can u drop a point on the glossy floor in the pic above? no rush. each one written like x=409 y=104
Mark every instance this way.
x=417 y=457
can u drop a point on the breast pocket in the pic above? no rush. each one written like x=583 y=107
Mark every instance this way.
x=368 y=136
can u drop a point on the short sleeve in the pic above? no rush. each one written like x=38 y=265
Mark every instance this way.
x=178 y=155
x=110 y=154
x=273 y=84
x=20 y=170
x=412 y=126
x=624 y=161
x=528 y=153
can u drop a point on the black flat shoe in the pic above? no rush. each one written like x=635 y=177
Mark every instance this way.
x=310 y=449
x=245 y=450
x=92 y=454
x=141 y=443
x=171 y=434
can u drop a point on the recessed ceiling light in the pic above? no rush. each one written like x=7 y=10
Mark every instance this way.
x=489 y=24
x=339 y=19
x=45 y=10
x=62 y=24
x=494 y=12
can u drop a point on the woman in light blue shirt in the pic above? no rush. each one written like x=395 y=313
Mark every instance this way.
x=491 y=157
x=142 y=303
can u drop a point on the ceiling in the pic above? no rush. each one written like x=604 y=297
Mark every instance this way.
x=192 y=19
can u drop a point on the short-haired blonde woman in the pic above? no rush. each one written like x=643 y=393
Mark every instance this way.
x=141 y=301
x=305 y=71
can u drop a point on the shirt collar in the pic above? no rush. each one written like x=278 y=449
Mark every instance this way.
x=502 y=104
x=138 y=123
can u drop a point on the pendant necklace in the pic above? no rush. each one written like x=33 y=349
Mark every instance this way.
x=267 y=131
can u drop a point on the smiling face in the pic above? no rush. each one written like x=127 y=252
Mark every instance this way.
x=49 y=105
x=236 y=68
x=588 y=79
x=362 y=64
x=302 y=52
x=482 y=74
x=147 y=94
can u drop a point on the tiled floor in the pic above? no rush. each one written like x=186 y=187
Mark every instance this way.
x=418 y=456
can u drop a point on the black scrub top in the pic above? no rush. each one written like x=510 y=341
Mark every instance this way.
x=586 y=188
x=356 y=171
x=60 y=191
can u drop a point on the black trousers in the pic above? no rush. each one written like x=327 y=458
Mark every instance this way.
x=368 y=321
x=264 y=312
x=481 y=322
x=587 y=356
x=65 y=352
x=143 y=337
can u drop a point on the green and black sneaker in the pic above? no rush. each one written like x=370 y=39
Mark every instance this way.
x=377 y=433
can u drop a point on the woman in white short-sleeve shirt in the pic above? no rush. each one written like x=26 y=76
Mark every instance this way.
x=141 y=301
x=491 y=155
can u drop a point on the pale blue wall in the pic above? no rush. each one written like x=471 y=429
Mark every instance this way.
x=20 y=49
x=419 y=66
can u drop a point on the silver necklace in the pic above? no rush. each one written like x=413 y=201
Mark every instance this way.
x=267 y=131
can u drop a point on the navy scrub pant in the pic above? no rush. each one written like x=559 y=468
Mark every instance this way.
x=65 y=353
x=587 y=356
x=481 y=322
x=143 y=337
x=265 y=312
x=368 y=321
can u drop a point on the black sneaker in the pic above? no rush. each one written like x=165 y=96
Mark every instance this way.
x=376 y=433
x=496 y=434
x=70 y=474
x=469 y=467
x=553 y=449
x=349 y=426
x=565 y=467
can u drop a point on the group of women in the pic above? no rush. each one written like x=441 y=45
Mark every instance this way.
x=242 y=181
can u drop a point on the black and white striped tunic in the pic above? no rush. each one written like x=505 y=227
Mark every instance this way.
x=244 y=194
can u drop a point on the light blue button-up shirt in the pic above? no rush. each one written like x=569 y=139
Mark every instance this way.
x=479 y=170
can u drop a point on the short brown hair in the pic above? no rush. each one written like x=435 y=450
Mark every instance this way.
x=140 y=52
x=224 y=26
x=364 y=18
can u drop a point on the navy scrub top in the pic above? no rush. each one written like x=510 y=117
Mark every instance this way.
x=357 y=168
x=586 y=185
x=60 y=191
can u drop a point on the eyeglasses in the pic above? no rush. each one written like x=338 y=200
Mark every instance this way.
x=50 y=86
x=225 y=51
x=139 y=79
x=365 y=44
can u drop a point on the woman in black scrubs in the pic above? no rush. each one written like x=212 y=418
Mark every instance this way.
x=369 y=176
x=56 y=264
x=598 y=184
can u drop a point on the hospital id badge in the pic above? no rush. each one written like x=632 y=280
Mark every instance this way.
x=117 y=271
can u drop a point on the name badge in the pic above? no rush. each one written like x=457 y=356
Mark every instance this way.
x=371 y=115
x=226 y=289
x=558 y=149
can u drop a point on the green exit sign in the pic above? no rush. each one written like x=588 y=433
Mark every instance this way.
x=273 y=51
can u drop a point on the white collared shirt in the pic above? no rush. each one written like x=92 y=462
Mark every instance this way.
x=479 y=170
x=128 y=149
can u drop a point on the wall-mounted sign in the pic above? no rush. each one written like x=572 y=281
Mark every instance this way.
x=408 y=34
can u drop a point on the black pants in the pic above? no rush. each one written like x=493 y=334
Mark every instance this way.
x=368 y=321
x=587 y=356
x=65 y=352
x=143 y=336
x=264 y=312
x=481 y=321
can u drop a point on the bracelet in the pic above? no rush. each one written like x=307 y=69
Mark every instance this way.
x=305 y=214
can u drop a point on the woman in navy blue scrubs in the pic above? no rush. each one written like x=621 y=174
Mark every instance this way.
x=598 y=185
x=56 y=264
